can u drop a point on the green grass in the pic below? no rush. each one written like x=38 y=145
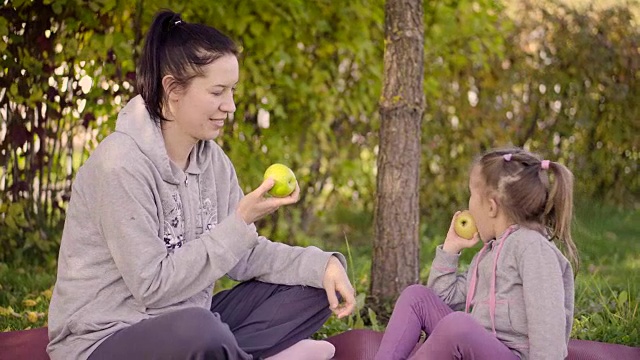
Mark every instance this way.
x=607 y=290
x=607 y=294
x=24 y=296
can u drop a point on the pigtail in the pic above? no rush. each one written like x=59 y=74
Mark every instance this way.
x=558 y=212
x=149 y=77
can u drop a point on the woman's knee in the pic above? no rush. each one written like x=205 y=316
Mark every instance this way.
x=203 y=331
x=308 y=294
x=319 y=295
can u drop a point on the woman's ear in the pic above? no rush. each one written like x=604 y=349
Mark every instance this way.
x=170 y=87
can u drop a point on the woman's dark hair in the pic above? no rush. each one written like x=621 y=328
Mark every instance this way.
x=175 y=47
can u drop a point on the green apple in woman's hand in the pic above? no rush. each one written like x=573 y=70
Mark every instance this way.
x=285 y=180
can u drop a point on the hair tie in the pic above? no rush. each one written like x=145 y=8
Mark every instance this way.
x=544 y=164
x=174 y=21
x=507 y=157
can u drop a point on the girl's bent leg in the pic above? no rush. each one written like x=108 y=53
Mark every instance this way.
x=268 y=318
x=418 y=308
x=192 y=333
x=460 y=336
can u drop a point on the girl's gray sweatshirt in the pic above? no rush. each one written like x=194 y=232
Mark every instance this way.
x=143 y=238
x=532 y=306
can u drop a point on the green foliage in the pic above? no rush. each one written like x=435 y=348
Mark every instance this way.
x=607 y=314
x=64 y=71
x=24 y=242
x=586 y=80
x=558 y=81
x=319 y=88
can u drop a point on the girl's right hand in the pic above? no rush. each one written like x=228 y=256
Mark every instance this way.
x=255 y=205
x=453 y=243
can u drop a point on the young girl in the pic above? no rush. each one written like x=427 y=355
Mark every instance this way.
x=516 y=299
x=157 y=216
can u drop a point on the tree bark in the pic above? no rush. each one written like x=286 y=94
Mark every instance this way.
x=396 y=247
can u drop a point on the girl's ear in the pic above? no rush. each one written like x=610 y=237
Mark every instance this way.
x=170 y=87
x=493 y=208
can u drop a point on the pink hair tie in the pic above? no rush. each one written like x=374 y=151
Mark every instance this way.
x=507 y=157
x=544 y=164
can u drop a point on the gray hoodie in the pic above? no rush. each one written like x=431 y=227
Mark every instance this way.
x=531 y=306
x=143 y=238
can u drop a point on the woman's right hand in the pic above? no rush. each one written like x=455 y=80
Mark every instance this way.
x=453 y=243
x=255 y=205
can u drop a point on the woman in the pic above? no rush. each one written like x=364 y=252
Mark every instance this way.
x=156 y=216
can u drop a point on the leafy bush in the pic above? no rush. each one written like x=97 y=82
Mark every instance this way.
x=25 y=238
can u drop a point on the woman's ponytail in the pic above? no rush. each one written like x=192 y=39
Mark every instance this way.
x=149 y=72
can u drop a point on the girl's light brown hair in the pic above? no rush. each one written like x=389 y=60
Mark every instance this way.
x=531 y=195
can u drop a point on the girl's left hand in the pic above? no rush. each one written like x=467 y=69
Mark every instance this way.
x=336 y=280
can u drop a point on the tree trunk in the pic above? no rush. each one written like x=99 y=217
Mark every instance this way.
x=396 y=245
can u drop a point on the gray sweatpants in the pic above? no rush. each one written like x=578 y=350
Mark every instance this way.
x=251 y=321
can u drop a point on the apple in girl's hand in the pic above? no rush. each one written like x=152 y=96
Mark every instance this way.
x=464 y=225
x=285 y=180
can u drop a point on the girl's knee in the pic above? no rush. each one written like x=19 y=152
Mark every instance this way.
x=415 y=293
x=458 y=325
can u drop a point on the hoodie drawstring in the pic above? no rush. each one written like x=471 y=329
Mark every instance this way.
x=474 y=279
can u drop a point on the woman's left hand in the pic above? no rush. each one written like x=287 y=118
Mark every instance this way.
x=336 y=280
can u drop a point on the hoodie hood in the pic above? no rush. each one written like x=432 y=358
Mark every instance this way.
x=134 y=121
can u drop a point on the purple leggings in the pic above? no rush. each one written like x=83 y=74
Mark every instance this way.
x=451 y=335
